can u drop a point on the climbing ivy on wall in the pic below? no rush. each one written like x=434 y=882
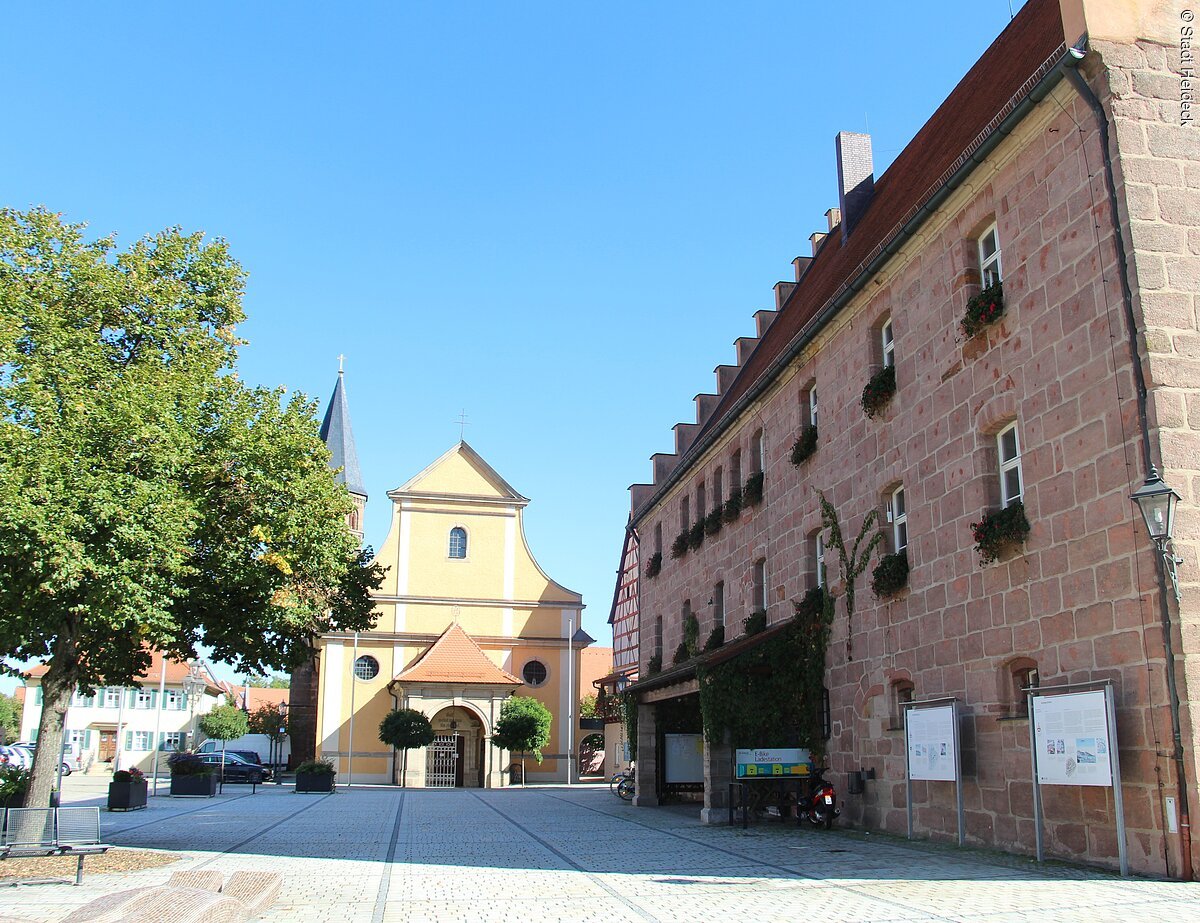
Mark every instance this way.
x=629 y=714
x=771 y=696
x=851 y=563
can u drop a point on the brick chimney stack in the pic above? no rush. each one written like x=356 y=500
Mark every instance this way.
x=856 y=177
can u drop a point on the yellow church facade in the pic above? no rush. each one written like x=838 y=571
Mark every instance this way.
x=466 y=618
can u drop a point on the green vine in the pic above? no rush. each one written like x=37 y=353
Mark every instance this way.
x=629 y=714
x=853 y=564
x=783 y=676
x=691 y=635
x=733 y=506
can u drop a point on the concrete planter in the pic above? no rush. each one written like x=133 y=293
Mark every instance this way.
x=127 y=796
x=204 y=786
x=314 y=782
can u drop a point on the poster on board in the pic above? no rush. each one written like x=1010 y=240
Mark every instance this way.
x=930 y=735
x=683 y=758
x=1070 y=732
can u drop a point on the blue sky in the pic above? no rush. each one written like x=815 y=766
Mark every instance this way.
x=556 y=216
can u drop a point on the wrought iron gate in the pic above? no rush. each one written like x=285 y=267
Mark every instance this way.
x=441 y=761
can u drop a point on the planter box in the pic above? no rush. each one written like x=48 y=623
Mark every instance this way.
x=204 y=786
x=127 y=796
x=314 y=782
x=13 y=801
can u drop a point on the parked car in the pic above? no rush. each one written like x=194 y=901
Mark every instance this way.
x=214 y=746
x=21 y=754
x=237 y=769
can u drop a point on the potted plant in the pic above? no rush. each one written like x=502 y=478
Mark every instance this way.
x=804 y=446
x=654 y=565
x=14 y=782
x=679 y=547
x=752 y=493
x=1000 y=530
x=315 y=776
x=127 y=790
x=890 y=575
x=191 y=776
x=733 y=506
x=879 y=391
x=985 y=308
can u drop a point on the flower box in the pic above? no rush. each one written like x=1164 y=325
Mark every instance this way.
x=712 y=522
x=733 y=506
x=879 y=391
x=755 y=622
x=982 y=310
x=127 y=795
x=679 y=547
x=1000 y=530
x=203 y=785
x=890 y=575
x=654 y=565
x=752 y=493
x=804 y=446
x=696 y=535
x=314 y=782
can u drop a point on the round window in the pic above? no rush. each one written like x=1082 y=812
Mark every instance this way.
x=366 y=667
x=534 y=673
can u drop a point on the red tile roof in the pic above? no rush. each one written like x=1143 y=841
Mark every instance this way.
x=177 y=670
x=1034 y=37
x=456 y=658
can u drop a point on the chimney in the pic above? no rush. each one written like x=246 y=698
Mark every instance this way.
x=815 y=239
x=834 y=217
x=856 y=177
x=801 y=265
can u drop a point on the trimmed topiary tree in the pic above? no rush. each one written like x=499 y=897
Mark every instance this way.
x=225 y=723
x=523 y=727
x=405 y=729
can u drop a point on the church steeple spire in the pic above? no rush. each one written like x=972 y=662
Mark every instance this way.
x=338 y=437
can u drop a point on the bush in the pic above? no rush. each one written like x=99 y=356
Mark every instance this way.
x=879 y=391
x=712 y=522
x=752 y=493
x=985 y=308
x=1000 y=530
x=679 y=547
x=733 y=506
x=126 y=776
x=755 y=622
x=654 y=565
x=804 y=446
x=716 y=638
x=187 y=763
x=890 y=575
x=681 y=654
x=696 y=535
x=654 y=664
x=316 y=768
x=14 y=780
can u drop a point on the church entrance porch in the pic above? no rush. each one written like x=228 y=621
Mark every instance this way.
x=455 y=758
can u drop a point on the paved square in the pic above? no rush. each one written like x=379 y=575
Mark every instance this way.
x=371 y=855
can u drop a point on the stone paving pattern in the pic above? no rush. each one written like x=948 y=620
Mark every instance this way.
x=373 y=855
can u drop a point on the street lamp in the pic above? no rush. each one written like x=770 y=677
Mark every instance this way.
x=1157 y=502
x=193 y=687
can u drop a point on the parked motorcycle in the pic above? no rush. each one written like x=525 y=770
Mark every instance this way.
x=822 y=800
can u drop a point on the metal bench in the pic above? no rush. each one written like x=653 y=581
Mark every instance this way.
x=37 y=832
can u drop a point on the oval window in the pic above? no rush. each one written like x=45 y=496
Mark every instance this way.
x=366 y=667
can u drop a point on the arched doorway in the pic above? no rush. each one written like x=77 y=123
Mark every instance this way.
x=455 y=759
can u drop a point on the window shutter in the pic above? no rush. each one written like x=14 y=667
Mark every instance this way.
x=131 y=698
x=183 y=701
x=87 y=739
x=129 y=740
x=37 y=698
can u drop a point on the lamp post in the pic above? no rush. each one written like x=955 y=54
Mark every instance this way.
x=1156 y=501
x=193 y=687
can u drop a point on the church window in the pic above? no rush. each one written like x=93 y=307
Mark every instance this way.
x=458 y=542
x=366 y=667
x=534 y=673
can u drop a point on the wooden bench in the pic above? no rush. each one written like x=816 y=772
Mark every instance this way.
x=37 y=832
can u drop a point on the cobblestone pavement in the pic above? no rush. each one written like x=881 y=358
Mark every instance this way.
x=373 y=855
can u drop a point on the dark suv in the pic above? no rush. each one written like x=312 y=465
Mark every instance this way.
x=237 y=768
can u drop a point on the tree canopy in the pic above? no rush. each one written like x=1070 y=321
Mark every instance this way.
x=523 y=726
x=269 y=719
x=225 y=722
x=149 y=499
x=405 y=729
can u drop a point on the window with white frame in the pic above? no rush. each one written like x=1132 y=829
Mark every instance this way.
x=760 y=585
x=173 y=700
x=719 y=605
x=760 y=452
x=812 y=406
x=819 y=558
x=458 y=542
x=79 y=700
x=112 y=697
x=143 y=698
x=1009 y=450
x=898 y=513
x=989 y=257
x=888 y=342
x=143 y=740
x=171 y=740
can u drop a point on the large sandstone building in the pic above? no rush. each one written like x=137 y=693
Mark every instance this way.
x=1063 y=168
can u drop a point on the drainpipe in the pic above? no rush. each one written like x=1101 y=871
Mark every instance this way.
x=1139 y=380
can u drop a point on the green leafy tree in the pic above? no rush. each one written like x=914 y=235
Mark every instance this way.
x=224 y=723
x=148 y=498
x=269 y=719
x=523 y=727
x=10 y=718
x=275 y=681
x=589 y=707
x=405 y=729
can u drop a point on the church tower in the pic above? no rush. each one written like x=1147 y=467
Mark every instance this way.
x=338 y=436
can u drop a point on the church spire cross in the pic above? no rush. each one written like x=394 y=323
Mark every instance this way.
x=462 y=424
x=341 y=364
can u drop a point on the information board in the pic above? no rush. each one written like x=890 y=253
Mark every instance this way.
x=930 y=735
x=683 y=758
x=1070 y=734
x=775 y=763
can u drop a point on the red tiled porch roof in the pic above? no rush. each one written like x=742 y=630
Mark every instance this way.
x=455 y=658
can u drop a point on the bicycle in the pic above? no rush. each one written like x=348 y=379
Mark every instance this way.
x=622 y=784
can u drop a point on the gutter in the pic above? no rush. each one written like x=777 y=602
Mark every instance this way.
x=1039 y=92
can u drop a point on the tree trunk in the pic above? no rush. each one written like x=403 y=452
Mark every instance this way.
x=404 y=768
x=58 y=685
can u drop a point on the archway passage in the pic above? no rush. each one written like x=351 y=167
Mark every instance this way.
x=455 y=758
